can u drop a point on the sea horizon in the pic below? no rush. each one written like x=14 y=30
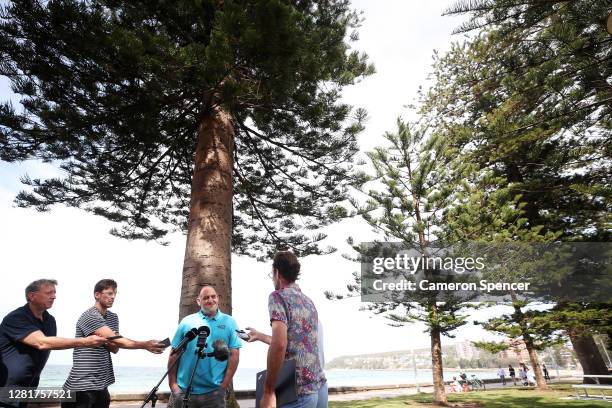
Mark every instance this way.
x=141 y=379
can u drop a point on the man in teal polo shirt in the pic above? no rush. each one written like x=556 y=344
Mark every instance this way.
x=212 y=377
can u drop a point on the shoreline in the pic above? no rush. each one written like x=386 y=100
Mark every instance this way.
x=246 y=398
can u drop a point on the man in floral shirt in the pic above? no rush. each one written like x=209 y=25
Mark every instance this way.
x=294 y=321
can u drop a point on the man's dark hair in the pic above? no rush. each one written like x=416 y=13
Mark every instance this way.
x=37 y=284
x=287 y=265
x=105 y=284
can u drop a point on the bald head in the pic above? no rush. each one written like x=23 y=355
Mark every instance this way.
x=208 y=300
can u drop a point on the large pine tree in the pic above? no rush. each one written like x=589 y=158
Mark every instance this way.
x=406 y=198
x=221 y=119
x=528 y=98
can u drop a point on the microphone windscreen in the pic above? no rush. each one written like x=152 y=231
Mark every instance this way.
x=191 y=334
x=204 y=329
x=221 y=351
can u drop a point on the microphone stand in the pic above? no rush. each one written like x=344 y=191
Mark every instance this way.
x=201 y=353
x=153 y=394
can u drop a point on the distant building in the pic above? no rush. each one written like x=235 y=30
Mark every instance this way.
x=466 y=350
x=517 y=351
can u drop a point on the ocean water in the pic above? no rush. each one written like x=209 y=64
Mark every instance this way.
x=143 y=379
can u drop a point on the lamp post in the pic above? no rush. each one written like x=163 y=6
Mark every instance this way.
x=555 y=363
x=598 y=338
x=414 y=366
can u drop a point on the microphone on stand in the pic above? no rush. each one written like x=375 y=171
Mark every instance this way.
x=190 y=335
x=220 y=350
x=221 y=353
x=203 y=333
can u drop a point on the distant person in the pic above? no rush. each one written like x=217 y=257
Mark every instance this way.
x=213 y=377
x=502 y=375
x=322 y=400
x=512 y=373
x=28 y=334
x=455 y=385
x=531 y=380
x=545 y=371
x=463 y=376
x=294 y=321
x=92 y=368
x=523 y=373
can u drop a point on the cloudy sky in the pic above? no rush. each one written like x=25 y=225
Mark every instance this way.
x=76 y=249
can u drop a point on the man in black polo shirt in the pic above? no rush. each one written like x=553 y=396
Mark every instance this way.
x=28 y=334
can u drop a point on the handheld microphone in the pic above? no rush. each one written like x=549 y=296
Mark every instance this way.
x=190 y=335
x=221 y=351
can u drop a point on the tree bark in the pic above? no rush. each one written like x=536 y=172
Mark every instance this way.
x=436 y=364
x=209 y=233
x=535 y=363
x=533 y=355
x=589 y=356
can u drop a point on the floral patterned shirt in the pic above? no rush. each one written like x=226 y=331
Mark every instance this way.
x=296 y=310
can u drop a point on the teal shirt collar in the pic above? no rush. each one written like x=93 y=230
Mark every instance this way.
x=215 y=317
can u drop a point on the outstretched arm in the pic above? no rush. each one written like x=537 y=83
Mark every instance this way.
x=153 y=346
x=255 y=335
x=39 y=341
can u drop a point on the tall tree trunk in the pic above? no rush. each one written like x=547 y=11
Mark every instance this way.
x=533 y=355
x=535 y=363
x=437 y=369
x=589 y=356
x=209 y=233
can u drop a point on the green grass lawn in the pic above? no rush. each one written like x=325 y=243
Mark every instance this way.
x=497 y=398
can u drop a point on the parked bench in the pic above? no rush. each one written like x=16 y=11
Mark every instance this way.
x=596 y=387
x=594 y=377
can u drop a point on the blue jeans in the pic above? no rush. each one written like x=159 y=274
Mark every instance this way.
x=305 y=401
x=316 y=400
x=322 y=396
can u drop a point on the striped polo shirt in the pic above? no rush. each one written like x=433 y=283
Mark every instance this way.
x=92 y=367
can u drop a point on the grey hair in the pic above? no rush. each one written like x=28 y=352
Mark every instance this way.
x=37 y=284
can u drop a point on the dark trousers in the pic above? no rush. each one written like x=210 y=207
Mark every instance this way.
x=89 y=399
x=213 y=399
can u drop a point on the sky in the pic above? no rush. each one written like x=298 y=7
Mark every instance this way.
x=76 y=249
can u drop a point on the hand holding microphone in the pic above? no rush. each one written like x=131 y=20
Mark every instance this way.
x=154 y=346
